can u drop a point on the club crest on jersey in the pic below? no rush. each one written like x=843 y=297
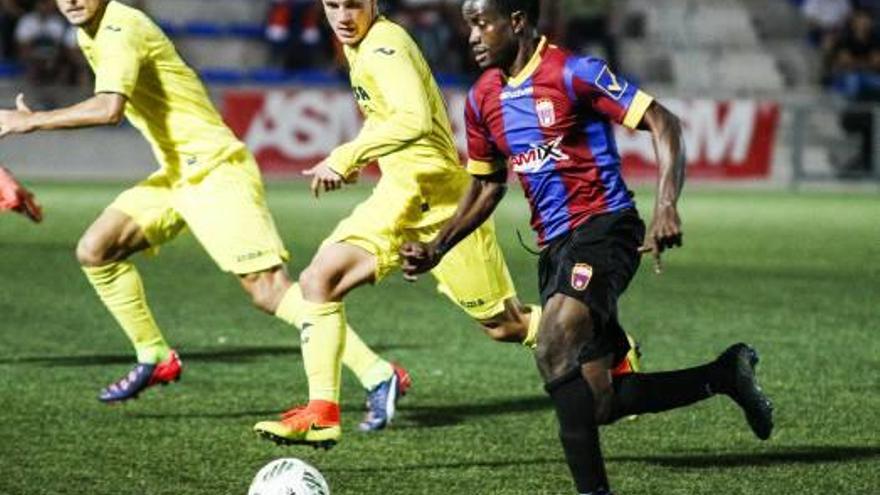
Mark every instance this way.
x=546 y=112
x=580 y=276
x=610 y=84
x=533 y=160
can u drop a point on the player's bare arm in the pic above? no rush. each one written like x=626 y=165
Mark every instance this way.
x=476 y=207
x=101 y=109
x=665 y=231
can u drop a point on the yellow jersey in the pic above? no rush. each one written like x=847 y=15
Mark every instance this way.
x=166 y=101
x=406 y=129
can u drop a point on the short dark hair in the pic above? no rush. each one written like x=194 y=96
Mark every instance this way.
x=532 y=8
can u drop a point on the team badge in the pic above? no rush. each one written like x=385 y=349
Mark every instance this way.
x=546 y=112
x=580 y=276
x=609 y=83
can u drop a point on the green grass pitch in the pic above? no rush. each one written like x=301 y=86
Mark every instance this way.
x=795 y=275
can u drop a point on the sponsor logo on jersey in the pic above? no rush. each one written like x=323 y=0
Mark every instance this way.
x=472 y=304
x=360 y=94
x=113 y=28
x=249 y=256
x=517 y=93
x=533 y=160
x=580 y=276
x=609 y=83
x=385 y=51
x=546 y=112
x=305 y=333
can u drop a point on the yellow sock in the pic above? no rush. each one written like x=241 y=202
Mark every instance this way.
x=121 y=290
x=323 y=341
x=370 y=369
x=531 y=340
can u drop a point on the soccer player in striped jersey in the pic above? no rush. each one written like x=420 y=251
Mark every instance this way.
x=547 y=115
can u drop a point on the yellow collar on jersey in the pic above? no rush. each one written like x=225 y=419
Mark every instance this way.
x=530 y=67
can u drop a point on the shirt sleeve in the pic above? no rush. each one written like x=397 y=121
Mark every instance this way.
x=483 y=156
x=591 y=81
x=119 y=52
x=402 y=88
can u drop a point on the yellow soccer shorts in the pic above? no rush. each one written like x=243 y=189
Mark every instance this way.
x=225 y=210
x=473 y=274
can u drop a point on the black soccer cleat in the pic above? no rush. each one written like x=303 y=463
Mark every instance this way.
x=738 y=365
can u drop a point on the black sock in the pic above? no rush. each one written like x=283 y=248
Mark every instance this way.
x=579 y=432
x=640 y=393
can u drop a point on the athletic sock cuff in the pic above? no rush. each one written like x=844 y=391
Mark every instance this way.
x=320 y=309
x=556 y=383
x=105 y=273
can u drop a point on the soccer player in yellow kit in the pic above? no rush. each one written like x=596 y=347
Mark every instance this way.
x=407 y=130
x=208 y=182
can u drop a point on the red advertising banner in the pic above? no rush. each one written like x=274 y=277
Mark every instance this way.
x=290 y=130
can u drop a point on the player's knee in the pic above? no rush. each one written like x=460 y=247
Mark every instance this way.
x=315 y=284
x=90 y=252
x=553 y=356
x=562 y=339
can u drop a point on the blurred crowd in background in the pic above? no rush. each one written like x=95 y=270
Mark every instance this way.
x=845 y=34
x=37 y=43
x=301 y=39
x=33 y=34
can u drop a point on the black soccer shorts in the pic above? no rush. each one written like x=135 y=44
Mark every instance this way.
x=594 y=264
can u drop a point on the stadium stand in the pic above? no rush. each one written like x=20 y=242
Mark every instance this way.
x=719 y=49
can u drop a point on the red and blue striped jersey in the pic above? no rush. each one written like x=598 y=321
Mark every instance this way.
x=552 y=125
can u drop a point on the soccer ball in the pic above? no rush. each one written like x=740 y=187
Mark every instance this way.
x=289 y=476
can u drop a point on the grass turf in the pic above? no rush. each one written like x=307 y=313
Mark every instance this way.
x=795 y=275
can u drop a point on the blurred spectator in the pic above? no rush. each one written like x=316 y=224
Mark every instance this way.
x=430 y=24
x=582 y=23
x=872 y=6
x=855 y=71
x=826 y=19
x=11 y=12
x=855 y=59
x=40 y=36
x=390 y=8
x=297 y=34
